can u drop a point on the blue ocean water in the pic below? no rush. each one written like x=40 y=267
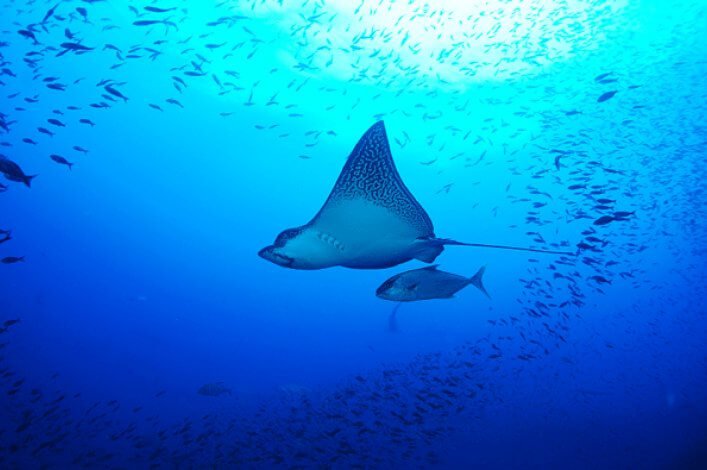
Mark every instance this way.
x=172 y=140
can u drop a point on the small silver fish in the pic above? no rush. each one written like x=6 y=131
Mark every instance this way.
x=427 y=283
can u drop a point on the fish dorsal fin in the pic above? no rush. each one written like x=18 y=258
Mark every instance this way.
x=370 y=175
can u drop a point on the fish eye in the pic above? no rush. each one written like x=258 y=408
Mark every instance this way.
x=386 y=285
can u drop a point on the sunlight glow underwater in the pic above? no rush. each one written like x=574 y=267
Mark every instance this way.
x=454 y=43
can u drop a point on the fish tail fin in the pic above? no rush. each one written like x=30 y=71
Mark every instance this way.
x=70 y=165
x=449 y=241
x=477 y=281
x=28 y=180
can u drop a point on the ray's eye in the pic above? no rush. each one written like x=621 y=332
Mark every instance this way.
x=286 y=235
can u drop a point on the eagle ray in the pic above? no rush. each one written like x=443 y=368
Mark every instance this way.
x=370 y=220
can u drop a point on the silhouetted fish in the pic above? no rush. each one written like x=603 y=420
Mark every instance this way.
x=606 y=96
x=61 y=160
x=214 y=389
x=13 y=172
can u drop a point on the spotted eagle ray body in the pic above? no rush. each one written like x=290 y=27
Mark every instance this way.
x=369 y=221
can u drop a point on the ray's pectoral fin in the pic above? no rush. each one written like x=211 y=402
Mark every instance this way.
x=370 y=177
x=369 y=221
x=428 y=250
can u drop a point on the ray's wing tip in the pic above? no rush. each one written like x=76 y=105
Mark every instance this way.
x=378 y=126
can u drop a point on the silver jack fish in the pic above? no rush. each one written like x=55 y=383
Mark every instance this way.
x=427 y=283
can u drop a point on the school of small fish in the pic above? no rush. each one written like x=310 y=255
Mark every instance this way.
x=584 y=158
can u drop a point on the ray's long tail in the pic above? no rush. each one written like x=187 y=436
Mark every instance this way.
x=449 y=241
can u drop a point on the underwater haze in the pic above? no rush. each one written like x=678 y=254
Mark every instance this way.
x=151 y=150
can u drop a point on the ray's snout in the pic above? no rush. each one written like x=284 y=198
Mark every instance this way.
x=265 y=253
x=268 y=253
x=271 y=254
